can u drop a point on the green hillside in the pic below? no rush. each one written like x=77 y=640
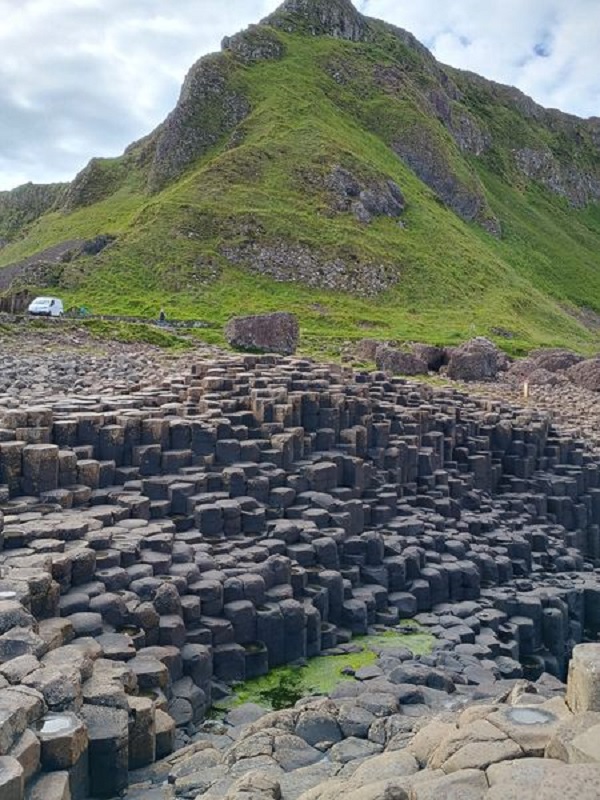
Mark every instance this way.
x=352 y=180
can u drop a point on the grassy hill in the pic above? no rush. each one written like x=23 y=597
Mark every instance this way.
x=326 y=164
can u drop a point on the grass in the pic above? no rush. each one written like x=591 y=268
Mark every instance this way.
x=323 y=673
x=138 y=333
x=453 y=279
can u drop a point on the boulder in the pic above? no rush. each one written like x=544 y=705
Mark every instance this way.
x=267 y=333
x=255 y=784
x=537 y=778
x=366 y=349
x=11 y=779
x=586 y=374
x=554 y=359
x=476 y=360
x=399 y=362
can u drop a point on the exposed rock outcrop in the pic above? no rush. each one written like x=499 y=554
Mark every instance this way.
x=580 y=187
x=25 y=204
x=256 y=43
x=208 y=108
x=366 y=200
x=338 y=18
x=284 y=261
x=424 y=154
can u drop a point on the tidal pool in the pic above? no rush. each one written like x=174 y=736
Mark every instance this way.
x=284 y=686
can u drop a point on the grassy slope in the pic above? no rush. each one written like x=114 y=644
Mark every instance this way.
x=455 y=279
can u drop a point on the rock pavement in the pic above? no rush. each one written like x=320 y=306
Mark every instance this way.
x=164 y=539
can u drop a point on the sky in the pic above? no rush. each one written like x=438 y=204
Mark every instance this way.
x=84 y=78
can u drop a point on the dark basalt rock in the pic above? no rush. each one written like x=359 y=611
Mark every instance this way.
x=255 y=44
x=399 y=362
x=208 y=108
x=476 y=360
x=366 y=200
x=336 y=18
x=268 y=333
x=257 y=511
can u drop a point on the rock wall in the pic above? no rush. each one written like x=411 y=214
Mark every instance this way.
x=163 y=542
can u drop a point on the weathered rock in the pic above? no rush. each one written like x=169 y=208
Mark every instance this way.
x=583 y=688
x=531 y=778
x=475 y=360
x=269 y=333
x=11 y=779
x=586 y=374
x=399 y=362
x=337 y=18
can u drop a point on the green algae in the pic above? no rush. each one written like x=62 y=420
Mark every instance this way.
x=284 y=686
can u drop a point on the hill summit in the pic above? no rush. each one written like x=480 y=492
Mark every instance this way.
x=325 y=163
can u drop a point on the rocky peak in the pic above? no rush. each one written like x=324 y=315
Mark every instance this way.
x=336 y=18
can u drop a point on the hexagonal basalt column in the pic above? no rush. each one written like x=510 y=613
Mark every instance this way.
x=11 y=779
x=40 y=468
x=583 y=688
x=109 y=749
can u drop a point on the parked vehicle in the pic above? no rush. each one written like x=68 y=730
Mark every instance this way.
x=46 y=307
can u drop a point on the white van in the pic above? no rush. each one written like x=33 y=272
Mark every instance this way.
x=46 y=307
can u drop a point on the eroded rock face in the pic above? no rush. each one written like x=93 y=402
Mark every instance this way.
x=208 y=108
x=366 y=201
x=579 y=187
x=255 y=44
x=25 y=204
x=424 y=153
x=268 y=333
x=289 y=262
x=336 y=18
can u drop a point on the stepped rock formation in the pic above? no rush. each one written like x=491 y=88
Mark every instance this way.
x=161 y=542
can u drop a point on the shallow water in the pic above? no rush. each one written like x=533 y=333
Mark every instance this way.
x=530 y=716
x=323 y=673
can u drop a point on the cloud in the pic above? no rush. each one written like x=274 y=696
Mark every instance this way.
x=84 y=78
x=545 y=47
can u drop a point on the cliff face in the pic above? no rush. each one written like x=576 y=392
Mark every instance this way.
x=24 y=205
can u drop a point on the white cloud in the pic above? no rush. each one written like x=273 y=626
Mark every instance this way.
x=548 y=48
x=80 y=78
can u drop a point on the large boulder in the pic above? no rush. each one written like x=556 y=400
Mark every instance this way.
x=586 y=374
x=527 y=370
x=366 y=349
x=399 y=362
x=266 y=333
x=476 y=360
x=554 y=359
